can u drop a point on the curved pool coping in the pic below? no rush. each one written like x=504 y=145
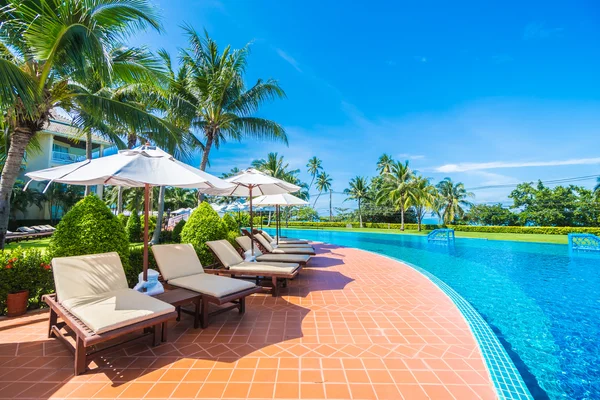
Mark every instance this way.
x=507 y=380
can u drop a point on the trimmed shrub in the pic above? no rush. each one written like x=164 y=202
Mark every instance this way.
x=230 y=223
x=136 y=262
x=89 y=228
x=123 y=219
x=134 y=227
x=176 y=235
x=231 y=235
x=151 y=225
x=203 y=225
x=25 y=269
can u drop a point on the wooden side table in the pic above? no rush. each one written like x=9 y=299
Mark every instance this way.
x=179 y=297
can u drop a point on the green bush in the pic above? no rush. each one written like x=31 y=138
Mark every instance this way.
x=89 y=228
x=25 y=269
x=151 y=225
x=231 y=235
x=123 y=219
x=203 y=225
x=134 y=227
x=230 y=223
x=176 y=235
x=136 y=262
x=379 y=225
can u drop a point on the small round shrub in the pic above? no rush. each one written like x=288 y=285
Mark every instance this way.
x=123 y=219
x=134 y=227
x=176 y=235
x=89 y=228
x=151 y=225
x=203 y=225
x=230 y=223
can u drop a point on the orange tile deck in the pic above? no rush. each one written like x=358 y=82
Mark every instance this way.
x=353 y=325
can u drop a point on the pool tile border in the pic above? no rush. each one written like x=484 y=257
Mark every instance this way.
x=507 y=380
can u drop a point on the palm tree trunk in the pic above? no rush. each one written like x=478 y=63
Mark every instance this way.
x=120 y=200
x=419 y=216
x=315 y=203
x=330 y=209
x=88 y=155
x=131 y=140
x=359 y=214
x=204 y=162
x=402 y=217
x=269 y=220
x=19 y=140
x=159 y=217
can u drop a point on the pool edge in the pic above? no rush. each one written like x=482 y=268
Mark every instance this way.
x=507 y=380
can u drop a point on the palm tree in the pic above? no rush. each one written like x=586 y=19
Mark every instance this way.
x=314 y=167
x=384 y=164
x=422 y=197
x=275 y=166
x=397 y=187
x=323 y=185
x=453 y=198
x=45 y=52
x=359 y=191
x=597 y=187
x=233 y=171
x=224 y=107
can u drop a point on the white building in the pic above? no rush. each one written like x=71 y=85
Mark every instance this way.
x=60 y=143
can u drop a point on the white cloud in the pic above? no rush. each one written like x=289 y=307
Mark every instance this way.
x=407 y=156
x=538 y=30
x=291 y=60
x=463 y=167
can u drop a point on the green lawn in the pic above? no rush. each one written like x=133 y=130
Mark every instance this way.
x=539 y=238
x=42 y=244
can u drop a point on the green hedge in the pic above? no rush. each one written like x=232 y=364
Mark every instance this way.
x=134 y=227
x=203 y=225
x=544 y=230
x=176 y=235
x=25 y=269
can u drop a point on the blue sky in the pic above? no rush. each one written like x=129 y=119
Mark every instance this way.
x=487 y=93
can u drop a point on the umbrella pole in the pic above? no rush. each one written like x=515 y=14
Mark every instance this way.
x=146 y=212
x=251 y=224
x=277 y=225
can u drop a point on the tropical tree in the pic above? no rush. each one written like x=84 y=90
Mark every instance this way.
x=397 y=187
x=224 y=108
x=453 y=198
x=176 y=198
x=323 y=185
x=314 y=167
x=46 y=49
x=233 y=171
x=384 y=164
x=422 y=197
x=22 y=199
x=359 y=191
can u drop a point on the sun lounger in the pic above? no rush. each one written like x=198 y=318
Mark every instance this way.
x=283 y=240
x=274 y=249
x=26 y=229
x=180 y=267
x=49 y=227
x=234 y=265
x=93 y=300
x=245 y=241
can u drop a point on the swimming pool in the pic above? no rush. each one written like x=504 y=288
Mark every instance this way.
x=543 y=304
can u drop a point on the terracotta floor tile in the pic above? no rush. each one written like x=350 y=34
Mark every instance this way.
x=211 y=391
x=187 y=390
x=161 y=391
x=235 y=390
x=311 y=376
x=287 y=391
x=110 y=391
x=265 y=375
x=312 y=391
x=362 y=391
x=289 y=375
x=436 y=392
x=86 y=391
x=261 y=390
x=357 y=376
x=242 y=375
x=219 y=375
x=337 y=391
x=136 y=391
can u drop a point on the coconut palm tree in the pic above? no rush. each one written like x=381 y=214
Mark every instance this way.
x=453 y=197
x=422 y=197
x=314 y=167
x=45 y=51
x=359 y=191
x=384 y=164
x=275 y=166
x=224 y=107
x=323 y=185
x=397 y=187
x=176 y=198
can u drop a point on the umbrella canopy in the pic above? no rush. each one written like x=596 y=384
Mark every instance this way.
x=144 y=166
x=279 y=200
x=237 y=206
x=252 y=182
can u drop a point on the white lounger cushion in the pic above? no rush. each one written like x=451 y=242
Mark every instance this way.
x=283 y=258
x=212 y=285
x=225 y=252
x=283 y=240
x=258 y=267
x=292 y=245
x=79 y=276
x=112 y=310
x=177 y=260
x=287 y=250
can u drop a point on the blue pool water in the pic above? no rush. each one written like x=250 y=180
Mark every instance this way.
x=543 y=304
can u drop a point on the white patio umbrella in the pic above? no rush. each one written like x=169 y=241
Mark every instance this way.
x=251 y=182
x=144 y=166
x=278 y=200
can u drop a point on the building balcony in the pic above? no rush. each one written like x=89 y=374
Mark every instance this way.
x=69 y=158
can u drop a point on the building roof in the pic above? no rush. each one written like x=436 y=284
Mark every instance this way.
x=61 y=126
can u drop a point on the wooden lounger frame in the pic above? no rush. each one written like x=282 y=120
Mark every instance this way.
x=277 y=279
x=238 y=299
x=86 y=339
